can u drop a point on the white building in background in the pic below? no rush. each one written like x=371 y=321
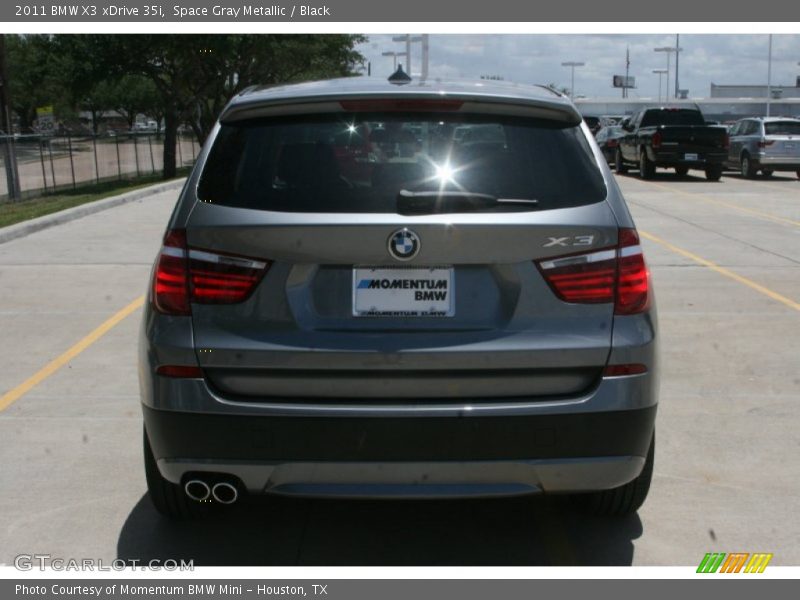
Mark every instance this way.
x=723 y=110
x=755 y=91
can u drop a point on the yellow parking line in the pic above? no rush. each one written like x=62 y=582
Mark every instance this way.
x=752 y=211
x=723 y=271
x=54 y=365
x=786 y=186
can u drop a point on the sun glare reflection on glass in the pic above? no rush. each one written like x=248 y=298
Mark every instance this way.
x=445 y=173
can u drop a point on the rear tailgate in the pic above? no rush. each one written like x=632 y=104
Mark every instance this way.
x=498 y=331
x=297 y=334
x=782 y=141
x=782 y=147
x=693 y=139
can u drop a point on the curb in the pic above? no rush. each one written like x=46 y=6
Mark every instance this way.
x=18 y=230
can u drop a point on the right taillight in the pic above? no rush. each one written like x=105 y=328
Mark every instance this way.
x=633 y=280
x=655 y=141
x=186 y=275
x=617 y=275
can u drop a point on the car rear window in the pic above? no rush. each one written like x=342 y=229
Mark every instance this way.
x=782 y=128
x=672 y=116
x=361 y=163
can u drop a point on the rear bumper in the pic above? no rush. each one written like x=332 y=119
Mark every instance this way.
x=421 y=480
x=779 y=163
x=678 y=158
x=408 y=446
x=423 y=456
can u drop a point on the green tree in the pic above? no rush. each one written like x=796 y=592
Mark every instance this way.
x=231 y=63
x=99 y=99
x=33 y=76
x=134 y=95
x=195 y=75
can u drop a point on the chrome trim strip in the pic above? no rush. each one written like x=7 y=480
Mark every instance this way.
x=173 y=251
x=222 y=259
x=630 y=251
x=580 y=259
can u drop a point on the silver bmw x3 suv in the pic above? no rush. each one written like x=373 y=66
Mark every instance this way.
x=377 y=290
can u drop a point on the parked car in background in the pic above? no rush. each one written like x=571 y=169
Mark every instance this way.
x=473 y=318
x=593 y=123
x=608 y=140
x=144 y=127
x=673 y=138
x=608 y=120
x=765 y=144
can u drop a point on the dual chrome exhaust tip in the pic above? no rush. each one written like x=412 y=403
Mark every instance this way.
x=222 y=492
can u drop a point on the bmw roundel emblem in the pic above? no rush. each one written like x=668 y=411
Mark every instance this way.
x=404 y=244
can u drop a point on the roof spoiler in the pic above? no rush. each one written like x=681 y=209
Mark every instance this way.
x=552 y=110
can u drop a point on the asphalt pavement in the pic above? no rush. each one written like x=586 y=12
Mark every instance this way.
x=725 y=259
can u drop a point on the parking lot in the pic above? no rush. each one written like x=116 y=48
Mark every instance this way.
x=725 y=259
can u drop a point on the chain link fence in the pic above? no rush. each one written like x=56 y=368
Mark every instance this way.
x=47 y=164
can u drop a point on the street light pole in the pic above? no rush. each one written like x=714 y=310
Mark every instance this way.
x=660 y=73
x=572 y=64
x=407 y=38
x=769 y=74
x=669 y=50
x=394 y=56
x=6 y=129
x=677 y=57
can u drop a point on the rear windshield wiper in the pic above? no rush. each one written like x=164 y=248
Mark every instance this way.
x=432 y=202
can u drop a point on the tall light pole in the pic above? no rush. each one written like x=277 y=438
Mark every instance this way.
x=677 y=61
x=769 y=74
x=394 y=56
x=407 y=39
x=660 y=73
x=572 y=64
x=425 y=54
x=6 y=128
x=669 y=50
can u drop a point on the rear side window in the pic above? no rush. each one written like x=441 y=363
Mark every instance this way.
x=362 y=163
x=782 y=128
x=672 y=116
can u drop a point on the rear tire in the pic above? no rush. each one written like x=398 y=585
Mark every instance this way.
x=168 y=498
x=681 y=171
x=647 y=170
x=619 y=165
x=767 y=172
x=624 y=500
x=798 y=174
x=714 y=173
x=746 y=167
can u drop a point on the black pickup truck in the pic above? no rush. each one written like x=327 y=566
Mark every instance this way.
x=676 y=138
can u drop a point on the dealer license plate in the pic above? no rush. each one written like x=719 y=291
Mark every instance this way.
x=403 y=292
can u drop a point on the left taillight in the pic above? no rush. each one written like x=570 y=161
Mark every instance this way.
x=186 y=275
x=617 y=275
x=171 y=277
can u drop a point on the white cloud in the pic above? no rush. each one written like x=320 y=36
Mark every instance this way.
x=718 y=58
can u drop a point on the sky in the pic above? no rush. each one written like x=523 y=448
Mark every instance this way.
x=718 y=58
